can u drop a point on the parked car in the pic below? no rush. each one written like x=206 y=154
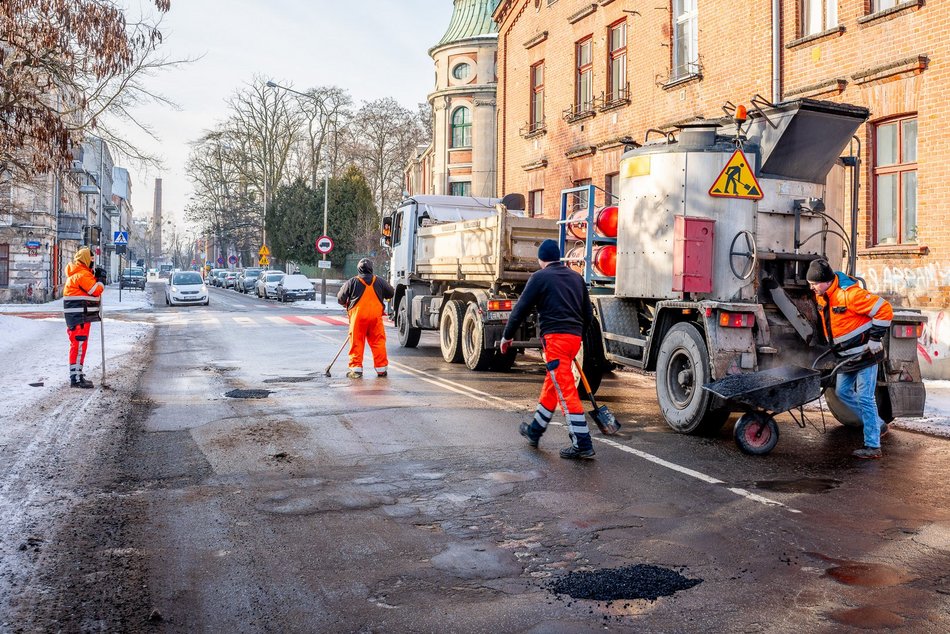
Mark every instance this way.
x=219 y=278
x=186 y=287
x=229 y=279
x=267 y=283
x=296 y=286
x=212 y=278
x=247 y=280
x=132 y=277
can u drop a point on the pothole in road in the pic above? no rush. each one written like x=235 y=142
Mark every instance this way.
x=640 y=581
x=800 y=485
x=248 y=393
x=290 y=379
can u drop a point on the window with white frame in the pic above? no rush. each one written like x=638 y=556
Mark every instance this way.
x=883 y=5
x=535 y=203
x=685 y=38
x=584 y=87
x=818 y=16
x=537 y=96
x=895 y=181
x=617 y=62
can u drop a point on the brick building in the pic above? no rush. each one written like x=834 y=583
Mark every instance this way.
x=578 y=80
x=460 y=160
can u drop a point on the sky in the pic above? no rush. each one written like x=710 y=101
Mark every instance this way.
x=371 y=48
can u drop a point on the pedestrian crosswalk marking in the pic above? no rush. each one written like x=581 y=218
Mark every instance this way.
x=309 y=321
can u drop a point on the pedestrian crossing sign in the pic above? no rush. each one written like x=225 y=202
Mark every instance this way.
x=736 y=180
x=264 y=261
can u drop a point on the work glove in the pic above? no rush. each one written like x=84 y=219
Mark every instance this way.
x=100 y=274
x=875 y=346
x=505 y=345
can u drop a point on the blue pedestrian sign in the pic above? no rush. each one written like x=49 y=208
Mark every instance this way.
x=120 y=237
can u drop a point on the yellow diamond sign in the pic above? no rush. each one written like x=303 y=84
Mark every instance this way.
x=736 y=180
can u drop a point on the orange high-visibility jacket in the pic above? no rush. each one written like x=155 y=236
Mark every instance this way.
x=81 y=295
x=851 y=315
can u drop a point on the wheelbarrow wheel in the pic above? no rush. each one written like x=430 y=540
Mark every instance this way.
x=756 y=434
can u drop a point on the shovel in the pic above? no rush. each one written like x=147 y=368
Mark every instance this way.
x=606 y=422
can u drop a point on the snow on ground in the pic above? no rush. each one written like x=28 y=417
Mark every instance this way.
x=39 y=348
x=330 y=307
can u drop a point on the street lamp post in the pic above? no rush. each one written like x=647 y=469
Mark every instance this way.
x=326 y=190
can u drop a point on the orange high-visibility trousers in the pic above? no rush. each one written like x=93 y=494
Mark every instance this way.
x=366 y=326
x=564 y=348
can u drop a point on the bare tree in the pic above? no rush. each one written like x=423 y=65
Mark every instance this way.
x=67 y=67
x=324 y=110
x=384 y=134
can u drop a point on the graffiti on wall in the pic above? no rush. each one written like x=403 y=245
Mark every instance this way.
x=901 y=280
x=911 y=283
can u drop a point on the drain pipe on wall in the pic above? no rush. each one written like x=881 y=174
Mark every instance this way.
x=776 y=51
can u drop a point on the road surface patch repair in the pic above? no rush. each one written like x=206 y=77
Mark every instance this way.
x=248 y=393
x=640 y=581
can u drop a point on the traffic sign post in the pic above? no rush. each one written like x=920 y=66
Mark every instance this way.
x=324 y=245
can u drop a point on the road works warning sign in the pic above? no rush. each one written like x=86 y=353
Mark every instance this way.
x=736 y=180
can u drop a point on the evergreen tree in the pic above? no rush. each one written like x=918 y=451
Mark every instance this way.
x=294 y=222
x=352 y=221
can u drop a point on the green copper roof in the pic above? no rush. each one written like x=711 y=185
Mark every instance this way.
x=470 y=18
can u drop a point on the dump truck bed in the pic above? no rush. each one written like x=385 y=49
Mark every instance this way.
x=501 y=248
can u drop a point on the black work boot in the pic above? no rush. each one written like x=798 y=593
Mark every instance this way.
x=573 y=453
x=526 y=431
x=82 y=382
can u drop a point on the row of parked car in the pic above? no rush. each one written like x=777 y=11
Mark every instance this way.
x=266 y=284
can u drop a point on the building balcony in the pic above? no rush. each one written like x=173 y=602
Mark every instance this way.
x=580 y=111
x=616 y=99
x=533 y=129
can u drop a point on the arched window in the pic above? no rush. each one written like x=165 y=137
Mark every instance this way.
x=461 y=128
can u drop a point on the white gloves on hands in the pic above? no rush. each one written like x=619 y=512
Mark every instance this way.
x=875 y=346
x=505 y=345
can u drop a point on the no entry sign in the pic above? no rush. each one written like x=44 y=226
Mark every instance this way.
x=324 y=244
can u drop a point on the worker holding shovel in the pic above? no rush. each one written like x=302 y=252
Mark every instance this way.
x=564 y=313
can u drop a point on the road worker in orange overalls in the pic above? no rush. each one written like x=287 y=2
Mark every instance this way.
x=364 y=297
x=81 y=301
x=564 y=314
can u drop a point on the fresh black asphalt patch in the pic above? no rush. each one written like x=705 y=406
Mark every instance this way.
x=640 y=581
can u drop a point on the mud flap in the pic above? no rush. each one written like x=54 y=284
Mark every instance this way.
x=901 y=399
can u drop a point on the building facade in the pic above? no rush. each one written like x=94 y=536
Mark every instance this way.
x=579 y=80
x=461 y=158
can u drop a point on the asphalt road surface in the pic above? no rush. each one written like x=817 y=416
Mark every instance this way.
x=410 y=503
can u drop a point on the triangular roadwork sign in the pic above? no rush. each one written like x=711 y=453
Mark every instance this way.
x=736 y=180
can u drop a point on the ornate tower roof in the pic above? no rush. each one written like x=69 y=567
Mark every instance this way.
x=470 y=18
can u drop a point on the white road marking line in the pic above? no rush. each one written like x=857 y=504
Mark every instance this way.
x=507 y=405
x=312 y=320
x=244 y=321
x=277 y=320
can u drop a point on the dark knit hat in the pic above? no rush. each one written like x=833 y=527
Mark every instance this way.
x=820 y=271
x=549 y=251
x=365 y=267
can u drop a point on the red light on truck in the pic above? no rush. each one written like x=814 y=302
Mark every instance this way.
x=736 y=320
x=499 y=304
x=907 y=331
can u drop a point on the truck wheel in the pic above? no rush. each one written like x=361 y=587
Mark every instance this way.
x=450 y=331
x=756 y=434
x=473 y=335
x=682 y=367
x=408 y=336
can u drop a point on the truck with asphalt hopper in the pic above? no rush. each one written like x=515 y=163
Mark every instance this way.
x=458 y=264
x=704 y=275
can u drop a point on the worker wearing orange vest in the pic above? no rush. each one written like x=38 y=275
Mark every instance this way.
x=855 y=322
x=364 y=297
x=81 y=303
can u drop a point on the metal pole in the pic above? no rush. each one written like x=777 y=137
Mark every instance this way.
x=323 y=272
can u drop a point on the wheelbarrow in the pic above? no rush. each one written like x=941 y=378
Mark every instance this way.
x=767 y=393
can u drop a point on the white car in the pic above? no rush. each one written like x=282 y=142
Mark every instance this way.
x=294 y=287
x=267 y=284
x=186 y=287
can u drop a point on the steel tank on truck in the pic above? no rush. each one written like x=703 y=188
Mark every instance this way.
x=717 y=225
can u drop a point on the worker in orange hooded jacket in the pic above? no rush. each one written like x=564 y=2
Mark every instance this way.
x=81 y=304
x=364 y=297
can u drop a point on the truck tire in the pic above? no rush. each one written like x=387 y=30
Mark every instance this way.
x=408 y=336
x=450 y=331
x=473 y=335
x=682 y=367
